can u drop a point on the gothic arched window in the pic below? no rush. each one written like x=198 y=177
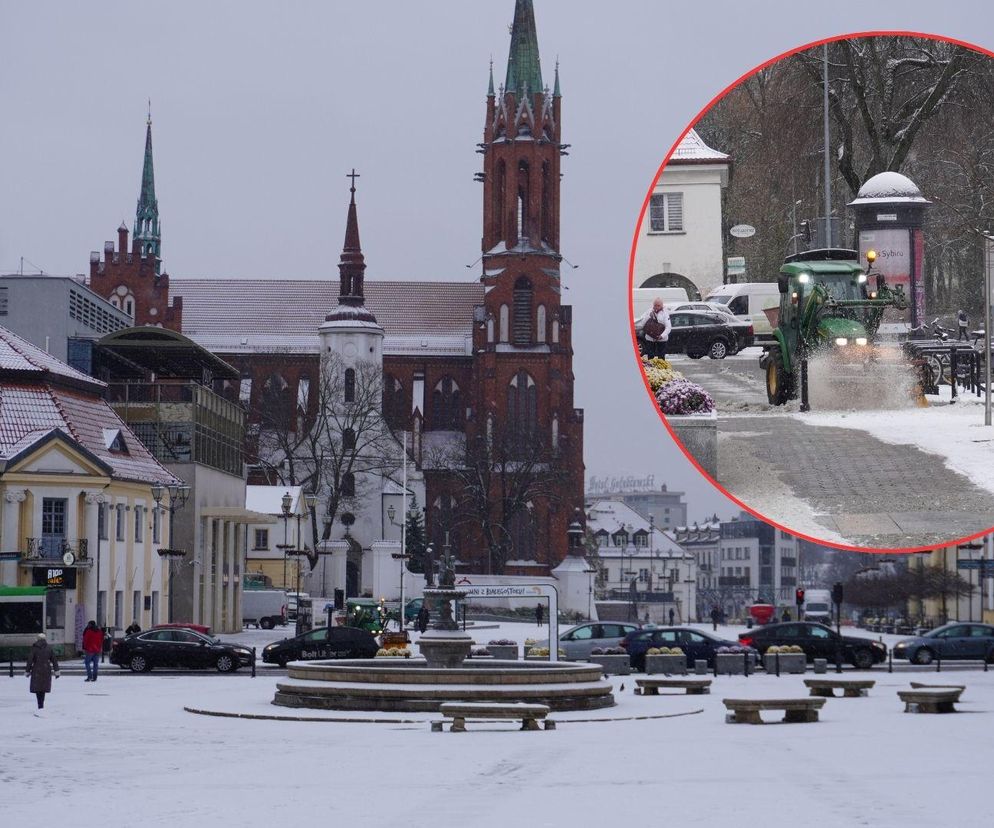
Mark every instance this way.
x=348 y=439
x=499 y=195
x=523 y=311
x=445 y=405
x=540 y=324
x=522 y=412
x=523 y=195
x=348 y=485
x=442 y=520
x=521 y=528
x=349 y=385
x=394 y=404
x=505 y=315
x=546 y=202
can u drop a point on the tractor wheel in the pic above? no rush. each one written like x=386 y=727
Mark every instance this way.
x=779 y=383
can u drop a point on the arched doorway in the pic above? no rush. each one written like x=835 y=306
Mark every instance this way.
x=675 y=280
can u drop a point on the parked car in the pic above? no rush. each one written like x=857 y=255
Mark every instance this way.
x=749 y=301
x=177 y=647
x=696 y=644
x=710 y=307
x=697 y=333
x=950 y=641
x=337 y=642
x=183 y=625
x=578 y=641
x=817 y=641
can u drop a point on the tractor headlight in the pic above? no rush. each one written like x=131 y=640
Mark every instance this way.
x=804 y=278
x=841 y=340
x=860 y=340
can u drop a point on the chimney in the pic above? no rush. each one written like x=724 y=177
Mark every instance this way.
x=122 y=238
x=108 y=250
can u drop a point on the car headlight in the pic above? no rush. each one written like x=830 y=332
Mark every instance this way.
x=841 y=340
x=860 y=340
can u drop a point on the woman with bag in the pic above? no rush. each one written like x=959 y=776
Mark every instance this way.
x=654 y=328
x=42 y=663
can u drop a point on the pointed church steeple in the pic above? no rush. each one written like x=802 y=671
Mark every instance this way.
x=523 y=66
x=147 y=233
x=351 y=269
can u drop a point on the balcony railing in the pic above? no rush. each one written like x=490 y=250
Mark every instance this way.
x=55 y=548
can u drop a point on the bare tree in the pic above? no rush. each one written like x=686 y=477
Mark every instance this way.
x=497 y=481
x=339 y=452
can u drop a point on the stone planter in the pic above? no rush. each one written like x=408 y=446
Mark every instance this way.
x=506 y=652
x=612 y=665
x=699 y=435
x=666 y=664
x=733 y=664
x=789 y=663
x=536 y=658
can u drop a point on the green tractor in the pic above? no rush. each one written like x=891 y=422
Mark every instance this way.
x=826 y=304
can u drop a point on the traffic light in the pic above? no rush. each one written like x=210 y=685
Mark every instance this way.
x=837 y=593
x=799 y=597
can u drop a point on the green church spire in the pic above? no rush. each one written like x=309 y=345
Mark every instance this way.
x=147 y=231
x=523 y=67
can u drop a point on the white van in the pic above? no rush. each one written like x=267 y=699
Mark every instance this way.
x=642 y=298
x=749 y=301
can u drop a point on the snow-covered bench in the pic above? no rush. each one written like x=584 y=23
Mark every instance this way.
x=746 y=711
x=931 y=699
x=460 y=711
x=851 y=688
x=650 y=686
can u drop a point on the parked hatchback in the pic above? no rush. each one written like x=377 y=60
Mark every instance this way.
x=696 y=644
x=177 y=648
x=949 y=642
x=337 y=642
x=817 y=641
x=577 y=642
x=699 y=333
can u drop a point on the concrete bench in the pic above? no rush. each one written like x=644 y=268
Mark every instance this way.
x=529 y=714
x=930 y=700
x=650 y=686
x=917 y=685
x=851 y=689
x=746 y=711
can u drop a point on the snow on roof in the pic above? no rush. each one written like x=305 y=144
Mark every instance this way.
x=17 y=355
x=693 y=150
x=613 y=515
x=294 y=309
x=889 y=186
x=268 y=500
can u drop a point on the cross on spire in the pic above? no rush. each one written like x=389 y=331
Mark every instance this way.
x=353 y=175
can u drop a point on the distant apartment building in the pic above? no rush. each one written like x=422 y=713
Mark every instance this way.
x=665 y=508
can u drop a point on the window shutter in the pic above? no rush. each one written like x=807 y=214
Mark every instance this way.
x=674 y=211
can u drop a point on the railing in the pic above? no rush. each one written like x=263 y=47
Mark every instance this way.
x=53 y=548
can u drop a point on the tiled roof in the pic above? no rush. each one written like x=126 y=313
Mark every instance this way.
x=29 y=411
x=18 y=356
x=612 y=515
x=692 y=149
x=221 y=312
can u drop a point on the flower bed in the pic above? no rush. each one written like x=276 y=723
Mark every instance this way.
x=503 y=648
x=681 y=396
x=393 y=652
x=614 y=661
x=791 y=659
x=733 y=661
x=666 y=660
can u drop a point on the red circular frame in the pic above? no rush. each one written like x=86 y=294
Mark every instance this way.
x=631 y=280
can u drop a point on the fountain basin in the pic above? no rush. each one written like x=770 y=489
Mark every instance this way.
x=410 y=685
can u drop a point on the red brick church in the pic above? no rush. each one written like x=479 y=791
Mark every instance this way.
x=469 y=364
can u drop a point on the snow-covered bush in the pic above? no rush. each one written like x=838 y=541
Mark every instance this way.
x=681 y=396
x=504 y=642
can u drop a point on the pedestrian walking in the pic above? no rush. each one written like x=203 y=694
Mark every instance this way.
x=961 y=322
x=671 y=616
x=715 y=616
x=93 y=645
x=654 y=328
x=538 y=614
x=42 y=664
x=422 y=619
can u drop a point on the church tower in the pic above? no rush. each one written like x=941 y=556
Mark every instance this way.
x=523 y=356
x=147 y=232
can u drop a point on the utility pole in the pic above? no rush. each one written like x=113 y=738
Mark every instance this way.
x=827 y=156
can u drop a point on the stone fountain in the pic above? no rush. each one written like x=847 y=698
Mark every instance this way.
x=444 y=645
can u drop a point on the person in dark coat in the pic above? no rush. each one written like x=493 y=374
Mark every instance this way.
x=423 y=618
x=715 y=617
x=961 y=323
x=42 y=664
x=93 y=645
x=538 y=614
x=671 y=616
x=133 y=629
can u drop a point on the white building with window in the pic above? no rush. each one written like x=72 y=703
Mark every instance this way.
x=639 y=562
x=680 y=241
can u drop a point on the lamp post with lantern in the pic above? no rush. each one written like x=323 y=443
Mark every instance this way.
x=285 y=507
x=178 y=495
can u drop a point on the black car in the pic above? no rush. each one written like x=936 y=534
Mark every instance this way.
x=177 y=648
x=696 y=333
x=336 y=642
x=696 y=644
x=817 y=641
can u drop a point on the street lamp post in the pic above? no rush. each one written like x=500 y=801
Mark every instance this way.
x=285 y=507
x=178 y=494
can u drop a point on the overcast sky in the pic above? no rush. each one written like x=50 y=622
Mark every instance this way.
x=259 y=109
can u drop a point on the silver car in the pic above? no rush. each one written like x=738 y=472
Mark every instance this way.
x=578 y=641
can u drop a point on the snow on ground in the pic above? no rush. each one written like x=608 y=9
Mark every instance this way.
x=953 y=431
x=123 y=752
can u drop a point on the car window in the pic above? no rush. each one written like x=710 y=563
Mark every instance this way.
x=981 y=632
x=185 y=637
x=959 y=631
x=667 y=637
x=694 y=638
x=614 y=631
x=158 y=635
x=739 y=305
x=642 y=636
x=680 y=320
x=819 y=632
x=790 y=631
x=315 y=635
x=581 y=634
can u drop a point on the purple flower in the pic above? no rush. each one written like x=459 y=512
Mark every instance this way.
x=681 y=396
